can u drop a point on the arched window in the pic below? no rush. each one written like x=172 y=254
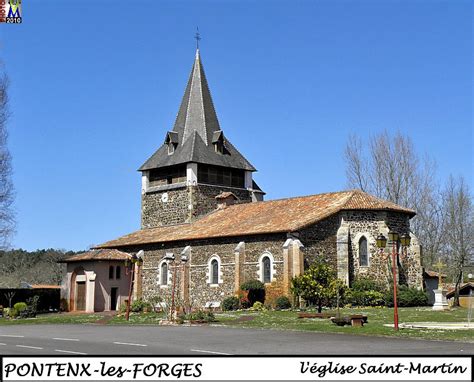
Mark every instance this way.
x=117 y=272
x=111 y=272
x=363 y=252
x=267 y=269
x=214 y=271
x=164 y=273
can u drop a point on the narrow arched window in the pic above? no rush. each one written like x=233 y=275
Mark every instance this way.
x=117 y=272
x=267 y=271
x=363 y=253
x=214 y=272
x=164 y=273
x=111 y=272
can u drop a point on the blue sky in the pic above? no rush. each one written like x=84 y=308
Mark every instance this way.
x=95 y=86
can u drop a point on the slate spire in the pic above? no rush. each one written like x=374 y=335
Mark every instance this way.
x=197 y=113
x=196 y=131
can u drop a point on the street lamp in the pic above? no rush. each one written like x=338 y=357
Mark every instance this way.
x=405 y=240
x=134 y=259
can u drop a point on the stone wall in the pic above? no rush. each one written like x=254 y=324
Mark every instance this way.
x=182 y=203
x=157 y=212
x=204 y=197
x=201 y=253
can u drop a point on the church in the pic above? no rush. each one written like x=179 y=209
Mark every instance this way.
x=206 y=229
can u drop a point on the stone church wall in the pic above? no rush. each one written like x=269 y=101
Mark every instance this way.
x=202 y=251
x=175 y=210
x=183 y=203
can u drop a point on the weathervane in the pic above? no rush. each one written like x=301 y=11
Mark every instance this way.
x=197 y=36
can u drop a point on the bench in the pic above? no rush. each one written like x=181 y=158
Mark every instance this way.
x=315 y=315
x=356 y=320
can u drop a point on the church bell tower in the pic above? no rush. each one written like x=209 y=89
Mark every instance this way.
x=195 y=163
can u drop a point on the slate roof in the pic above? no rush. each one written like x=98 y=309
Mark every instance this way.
x=195 y=130
x=275 y=216
x=98 y=254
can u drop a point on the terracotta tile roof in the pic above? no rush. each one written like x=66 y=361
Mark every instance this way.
x=98 y=254
x=284 y=215
x=451 y=290
x=434 y=274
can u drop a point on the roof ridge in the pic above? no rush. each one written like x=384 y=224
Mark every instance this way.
x=291 y=198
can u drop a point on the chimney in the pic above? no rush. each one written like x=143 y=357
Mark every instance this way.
x=225 y=199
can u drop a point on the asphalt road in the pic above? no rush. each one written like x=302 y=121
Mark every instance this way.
x=205 y=340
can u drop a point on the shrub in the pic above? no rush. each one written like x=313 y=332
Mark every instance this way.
x=20 y=307
x=258 y=306
x=230 y=303
x=32 y=303
x=255 y=291
x=200 y=315
x=139 y=305
x=407 y=297
x=365 y=284
x=282 y=302
x=12 y=312
x=365 y=298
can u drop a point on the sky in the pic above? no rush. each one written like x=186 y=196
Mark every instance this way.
x=94 y=86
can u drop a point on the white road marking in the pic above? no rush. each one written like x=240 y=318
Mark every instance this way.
x=69 y=351
x=208 y=351
x=126 y=343
x=29 y=347
x=11 y=335
x=66 y=339
x=3 y=344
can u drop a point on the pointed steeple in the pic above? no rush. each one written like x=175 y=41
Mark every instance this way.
x=196 y=135
x=197 y=113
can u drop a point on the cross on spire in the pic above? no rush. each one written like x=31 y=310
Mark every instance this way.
x=197 y=36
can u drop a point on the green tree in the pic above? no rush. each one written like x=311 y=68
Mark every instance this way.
x=318 y=285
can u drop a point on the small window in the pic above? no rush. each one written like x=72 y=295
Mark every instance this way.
x=170 y=148
x=111 y=272
x=117 y=272
x=363 y=253
x=267 y=271
x=164 y=273
x=214 y=272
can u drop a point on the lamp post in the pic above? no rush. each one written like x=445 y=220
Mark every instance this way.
x=135 y=259
x=381 y=241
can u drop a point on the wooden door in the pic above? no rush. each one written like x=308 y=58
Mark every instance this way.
x=81 y=295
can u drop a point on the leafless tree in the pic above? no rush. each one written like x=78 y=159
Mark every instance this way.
x=458 y=228
x=7 y=218
x=389 y=168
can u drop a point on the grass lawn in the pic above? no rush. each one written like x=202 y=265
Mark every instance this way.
x=377 y=317
x=288 y=320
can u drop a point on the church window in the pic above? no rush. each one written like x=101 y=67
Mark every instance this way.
x=167 y=175
x=221 y=176
x=117 y=272
x=214 y=276
x=363 y=252
x=267 y=271
x=111 y=272
x=214 y=272
x=164 y=273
